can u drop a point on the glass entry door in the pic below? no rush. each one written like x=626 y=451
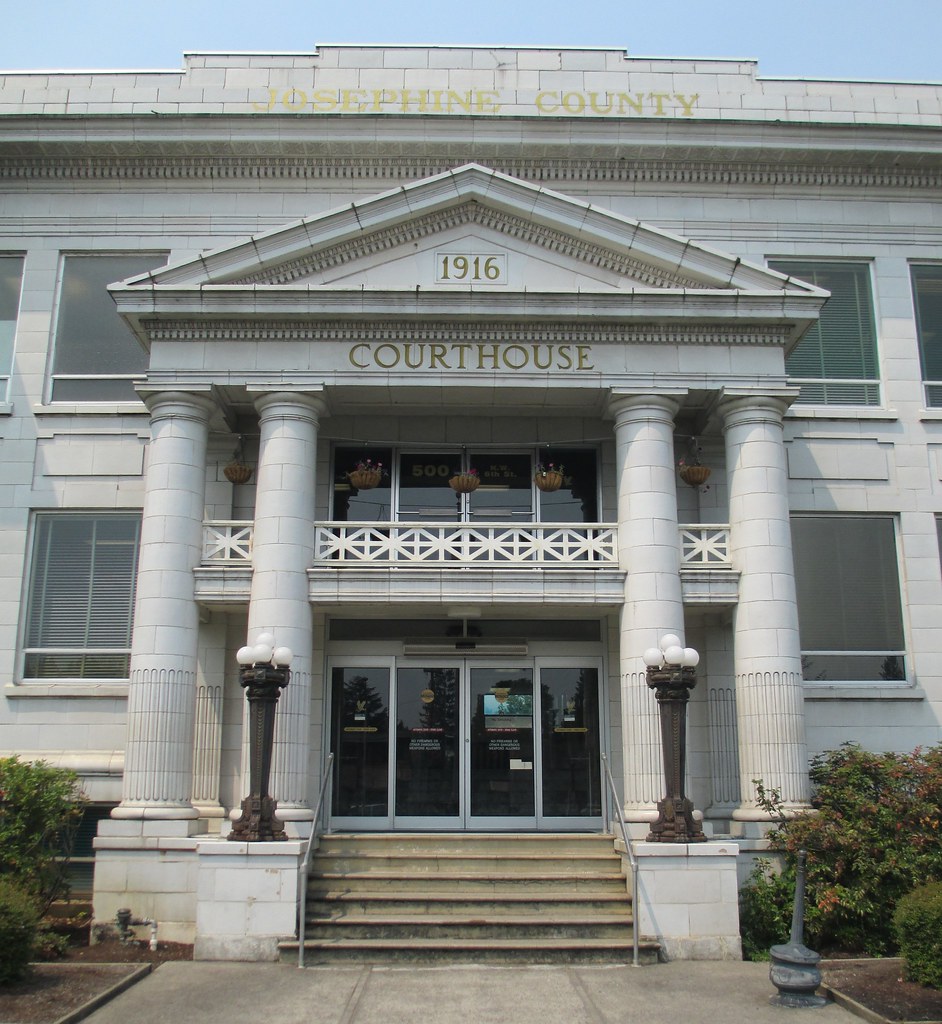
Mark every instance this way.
x=501 y=747
x=466 y=745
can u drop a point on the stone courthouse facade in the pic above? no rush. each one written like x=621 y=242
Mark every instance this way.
x=529 y=290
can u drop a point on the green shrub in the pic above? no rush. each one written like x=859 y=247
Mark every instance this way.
x=765 y=910
x=40 y=809
x=918 y=926
x=874 y=834
x=19 y=926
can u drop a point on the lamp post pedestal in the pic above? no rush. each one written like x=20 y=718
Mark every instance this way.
x=675 y=821
x=263 y=684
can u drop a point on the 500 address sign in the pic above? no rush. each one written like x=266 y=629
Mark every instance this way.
x=470 y=268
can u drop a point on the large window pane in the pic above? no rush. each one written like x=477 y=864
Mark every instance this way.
x=927 y=299
x=81 y=596
x=423 y=485
x=835 y=363
x=96 y=355
x=371 y=500
x=849 y=609
x=11 y=276
x=577 y=500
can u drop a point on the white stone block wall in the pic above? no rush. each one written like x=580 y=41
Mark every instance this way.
x=247 y=898
x=689 y=899
x=144 y=866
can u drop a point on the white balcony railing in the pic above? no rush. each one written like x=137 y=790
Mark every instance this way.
x=529 y=544
x=703 y=546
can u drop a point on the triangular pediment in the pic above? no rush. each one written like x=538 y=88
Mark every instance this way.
x=469 y=229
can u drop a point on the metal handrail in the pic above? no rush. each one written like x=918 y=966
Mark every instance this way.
x=632 y=861
x=306 y=861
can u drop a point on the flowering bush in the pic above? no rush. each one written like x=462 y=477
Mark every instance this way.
x=466 y=472
x=368 y=466
x=550 y=467
x=874 y=834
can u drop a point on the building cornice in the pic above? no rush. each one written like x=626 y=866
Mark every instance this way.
x=327 y=332
x=601 y=170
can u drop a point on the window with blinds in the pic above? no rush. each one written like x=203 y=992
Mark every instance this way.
x=81 y=596
x=927 y=300
x=835 y=363
x=849 y=610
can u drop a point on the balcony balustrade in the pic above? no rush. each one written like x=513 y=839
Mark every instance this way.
x=530 y=545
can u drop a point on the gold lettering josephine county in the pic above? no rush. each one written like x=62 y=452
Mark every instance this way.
x=557 y=103
x=470 y=356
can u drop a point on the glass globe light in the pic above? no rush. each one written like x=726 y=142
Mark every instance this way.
x=266 y=638
x=262 y=652
x=652 y=657
x=245 y=655
x=282 y=656
x=691 y=658
x=674 y=655
x=670 y=640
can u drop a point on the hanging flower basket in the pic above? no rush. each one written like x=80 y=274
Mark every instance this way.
x=551 y=481
x=365 y=479
x=549 y=478
x=696 y=476
x=465 y=483
x=237 y=472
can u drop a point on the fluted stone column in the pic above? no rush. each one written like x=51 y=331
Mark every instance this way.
x=649 y=551
x=282 y=552
x=767 y=651
x=158 y=772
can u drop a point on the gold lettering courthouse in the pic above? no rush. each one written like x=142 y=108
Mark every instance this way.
x=551 y=103
x=484 y=356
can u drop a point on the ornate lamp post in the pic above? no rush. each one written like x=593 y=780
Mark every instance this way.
x=264 y=673
x=671 y=673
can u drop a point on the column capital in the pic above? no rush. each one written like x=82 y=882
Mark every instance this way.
x=196 y=405
x=747 y=406
x=295 y=403
x=637 y=406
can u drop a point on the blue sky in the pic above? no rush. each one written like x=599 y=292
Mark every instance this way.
x=876 y=39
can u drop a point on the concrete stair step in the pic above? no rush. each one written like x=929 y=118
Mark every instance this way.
x=496 y=843
x=461 y=882
x=452 y=862
x=492 y=951
x=430 y=927
x=476 y=904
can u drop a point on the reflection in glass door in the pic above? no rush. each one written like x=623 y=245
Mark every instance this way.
x=360 y=741
x=569 y=713
x=501 y=746
x=427 y=782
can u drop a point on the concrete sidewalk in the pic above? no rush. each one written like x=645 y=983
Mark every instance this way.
x=688 y=992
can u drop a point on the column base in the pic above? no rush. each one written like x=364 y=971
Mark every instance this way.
x=792 y=810
x=155 y=812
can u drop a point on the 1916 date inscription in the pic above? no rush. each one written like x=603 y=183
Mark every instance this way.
x=470 y=268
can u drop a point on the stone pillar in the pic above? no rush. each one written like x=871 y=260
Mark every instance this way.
x=767 y=651
x=282 y=552
x=649 y=552
x=158 y=772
